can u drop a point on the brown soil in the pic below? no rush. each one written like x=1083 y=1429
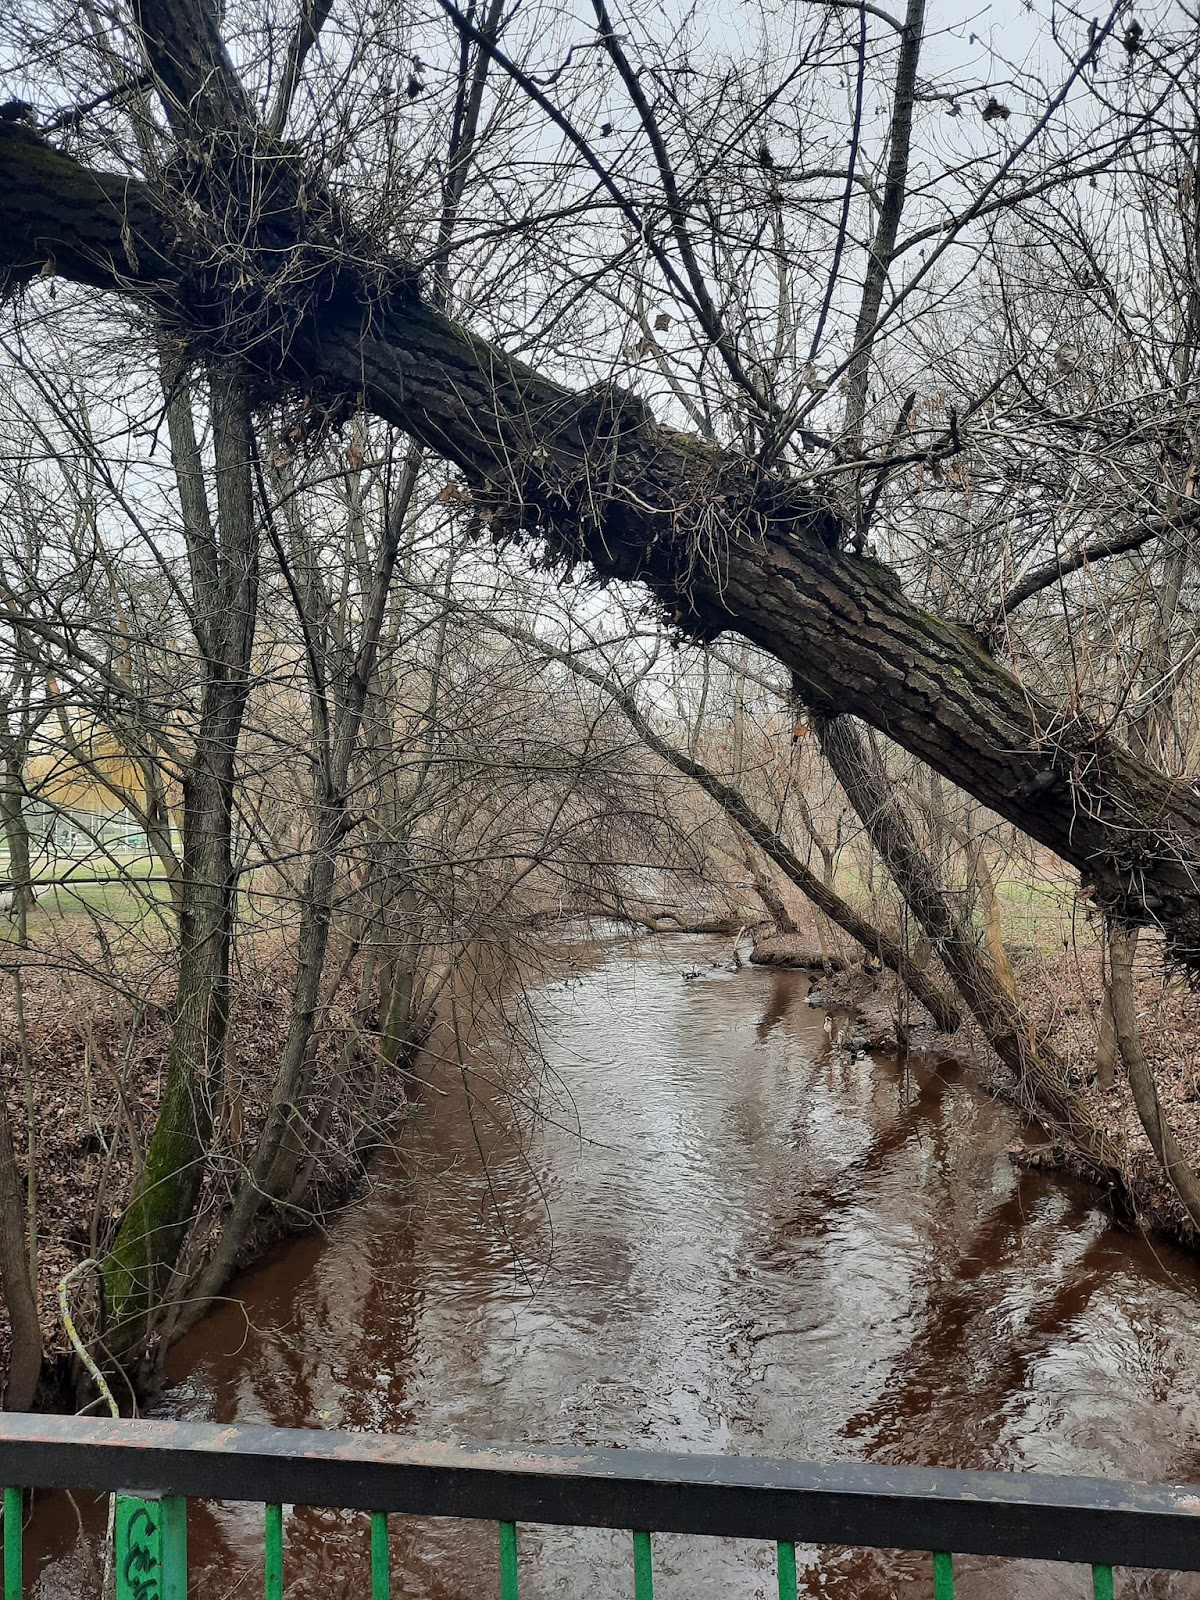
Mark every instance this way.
x=794 y=950
x=97 y=1059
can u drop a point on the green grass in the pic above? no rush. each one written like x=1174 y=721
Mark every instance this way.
x=1037 y=913
x=125 y=900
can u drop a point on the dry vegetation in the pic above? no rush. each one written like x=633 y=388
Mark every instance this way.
x=463 y=467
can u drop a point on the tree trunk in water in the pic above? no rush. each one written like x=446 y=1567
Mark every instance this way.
x=1122 y=948
x=271 y=1171
x=25 y=1365
x=225 y=583
x=1039 y=1077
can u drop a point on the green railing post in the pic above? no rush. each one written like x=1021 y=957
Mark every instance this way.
x=151 y=1547
x=643 y=1568
x=786 y=1562
x=273 y=1553
x=381 y=1570
x=14 y=1511
x=1102 y=1583
x=508 y=1561
x=943 y=1575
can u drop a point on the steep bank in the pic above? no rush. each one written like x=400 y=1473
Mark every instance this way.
x=91 y=1086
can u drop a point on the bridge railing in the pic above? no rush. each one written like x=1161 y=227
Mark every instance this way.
x=154 y=1468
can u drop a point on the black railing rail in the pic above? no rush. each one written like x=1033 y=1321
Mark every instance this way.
x=1093 y=1520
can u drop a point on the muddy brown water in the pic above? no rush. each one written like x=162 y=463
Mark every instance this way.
x=698 y=1228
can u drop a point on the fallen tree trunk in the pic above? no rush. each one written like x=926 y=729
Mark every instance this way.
x=592 y=479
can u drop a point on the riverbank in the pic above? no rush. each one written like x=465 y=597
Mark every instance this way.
x=693 y=1227
x=97 y=1064
x=1062 y=994
x=88 y=1081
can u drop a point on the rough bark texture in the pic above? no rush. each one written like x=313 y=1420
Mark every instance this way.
x=1038 y=1076
x=25 y=1364
x=592 y=478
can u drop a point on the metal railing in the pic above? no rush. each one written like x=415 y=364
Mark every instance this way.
x=154 y=1468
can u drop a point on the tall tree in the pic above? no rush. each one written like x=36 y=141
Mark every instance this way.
x=241 y=246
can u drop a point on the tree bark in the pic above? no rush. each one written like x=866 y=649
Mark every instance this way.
x=25 y=1362
x=765 y=889
x=1122 y=948
x=16 y=833
x=1038 y=1076
x=224 y=562
x=592 y=478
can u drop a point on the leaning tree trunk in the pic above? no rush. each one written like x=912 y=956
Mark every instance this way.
x=1037 y=1075
x=224 y=568
x=768 y=893
x=1122 y=948
x=592 y=477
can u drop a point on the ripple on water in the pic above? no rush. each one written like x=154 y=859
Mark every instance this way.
x=721 y=1236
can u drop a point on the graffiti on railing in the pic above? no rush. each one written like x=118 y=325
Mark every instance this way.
x=141 y=1569
x=151 y=1553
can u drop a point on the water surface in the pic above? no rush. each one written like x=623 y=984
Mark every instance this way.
x=698 y=1228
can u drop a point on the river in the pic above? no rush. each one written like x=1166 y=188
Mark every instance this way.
x=696 y=1227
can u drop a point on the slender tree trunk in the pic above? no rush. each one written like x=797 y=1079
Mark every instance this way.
x=398 y=1023
x=1122 y=949
x=25 y=1364
x=16 y=834
x=1038 y=1076
x=1108 y=1051
x=272 y=1167
x=225 y=590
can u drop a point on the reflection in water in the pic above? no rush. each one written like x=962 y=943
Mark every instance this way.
x=718 y=1235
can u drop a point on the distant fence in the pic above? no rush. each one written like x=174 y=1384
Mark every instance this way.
x=154 y=1468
